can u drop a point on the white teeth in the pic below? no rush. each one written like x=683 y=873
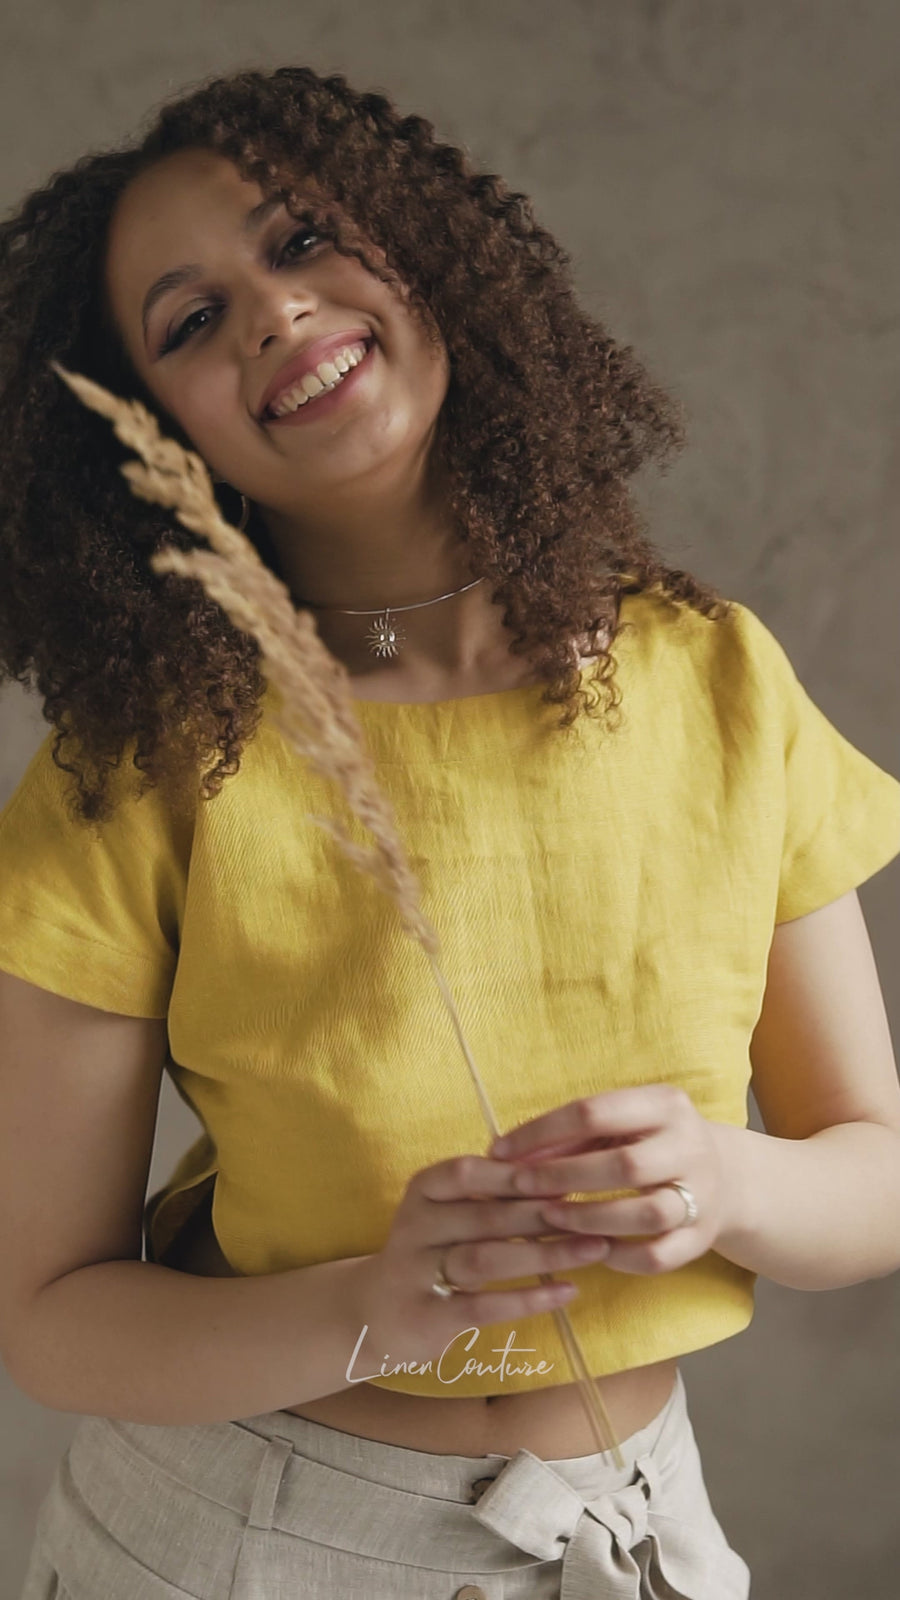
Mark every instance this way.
x=326 y=376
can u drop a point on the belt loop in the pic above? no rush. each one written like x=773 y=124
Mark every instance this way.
x=277 y=1453
x=648 y=1469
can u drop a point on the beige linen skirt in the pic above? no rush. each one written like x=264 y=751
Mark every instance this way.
x=275 y=1506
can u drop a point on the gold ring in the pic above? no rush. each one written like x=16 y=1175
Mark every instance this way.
x=443 y=1285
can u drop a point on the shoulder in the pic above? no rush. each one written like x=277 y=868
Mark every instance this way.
x=43 y=808
x=732 y=651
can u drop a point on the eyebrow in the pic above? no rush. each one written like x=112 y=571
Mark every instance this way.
x=252 y=223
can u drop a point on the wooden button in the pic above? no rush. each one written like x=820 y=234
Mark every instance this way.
x=479 y=1487
x=470 y=1591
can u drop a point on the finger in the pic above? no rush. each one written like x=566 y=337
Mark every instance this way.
x=655 y=1211
x=655 y=1256
x=461 y=1177
x=643 y=1108
x=640 y=1164
x=570 y=1147
x=496 y=1218
x=481 y=1308
x=491 y=1261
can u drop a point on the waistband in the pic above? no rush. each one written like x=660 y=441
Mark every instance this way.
x=279 y=1471
x=450 y=1477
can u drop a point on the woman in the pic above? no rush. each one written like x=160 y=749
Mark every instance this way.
x=380 y=352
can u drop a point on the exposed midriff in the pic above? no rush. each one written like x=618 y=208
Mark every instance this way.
x=550 y=1422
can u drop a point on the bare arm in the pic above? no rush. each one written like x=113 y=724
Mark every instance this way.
x=820 y=1189
x=819 y=1213
x=144 y=1343
x=85 y=1324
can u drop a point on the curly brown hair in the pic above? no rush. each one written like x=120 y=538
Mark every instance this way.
x=545 y=419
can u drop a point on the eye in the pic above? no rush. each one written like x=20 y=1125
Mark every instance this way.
x=181 y=334
x=301 y=233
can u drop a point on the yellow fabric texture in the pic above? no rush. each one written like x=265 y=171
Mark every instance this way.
x=605 y=901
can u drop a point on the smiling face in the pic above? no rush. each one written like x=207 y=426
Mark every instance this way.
x=209 y=347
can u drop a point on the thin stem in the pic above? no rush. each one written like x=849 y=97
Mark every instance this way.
x=590 y=1396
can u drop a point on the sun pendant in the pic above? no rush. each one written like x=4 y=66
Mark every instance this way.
x=384 y=638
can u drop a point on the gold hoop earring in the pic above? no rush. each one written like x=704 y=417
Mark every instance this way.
x=245 y=503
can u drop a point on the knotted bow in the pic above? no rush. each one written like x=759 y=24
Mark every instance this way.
x=614 y=1547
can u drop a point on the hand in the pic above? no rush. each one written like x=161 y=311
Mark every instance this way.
x=637 y=1138
x=465 y=1212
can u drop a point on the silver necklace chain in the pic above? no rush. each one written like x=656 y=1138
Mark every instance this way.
x=384 y=638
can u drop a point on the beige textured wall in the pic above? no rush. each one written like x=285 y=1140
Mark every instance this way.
x=724 y=176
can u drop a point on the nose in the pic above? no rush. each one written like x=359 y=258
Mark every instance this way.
x=269 y=309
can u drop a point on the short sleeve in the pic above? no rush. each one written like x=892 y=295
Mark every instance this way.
x=841 y=810
x=91 y=912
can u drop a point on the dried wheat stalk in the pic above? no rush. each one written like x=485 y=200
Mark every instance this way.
x=315 y=715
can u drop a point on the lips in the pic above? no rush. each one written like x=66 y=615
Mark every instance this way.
x=307 y=360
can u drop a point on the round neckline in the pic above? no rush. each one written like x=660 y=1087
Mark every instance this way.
x=513 y=696
x=457 y=700
x=490 y=695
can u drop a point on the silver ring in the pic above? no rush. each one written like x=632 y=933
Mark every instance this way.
x=442 y=1284
x=691 y=1213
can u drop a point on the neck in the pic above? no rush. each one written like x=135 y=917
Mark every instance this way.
x=403 y=553
x=455 y=639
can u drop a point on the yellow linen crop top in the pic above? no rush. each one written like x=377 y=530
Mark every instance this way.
x=605 y=901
